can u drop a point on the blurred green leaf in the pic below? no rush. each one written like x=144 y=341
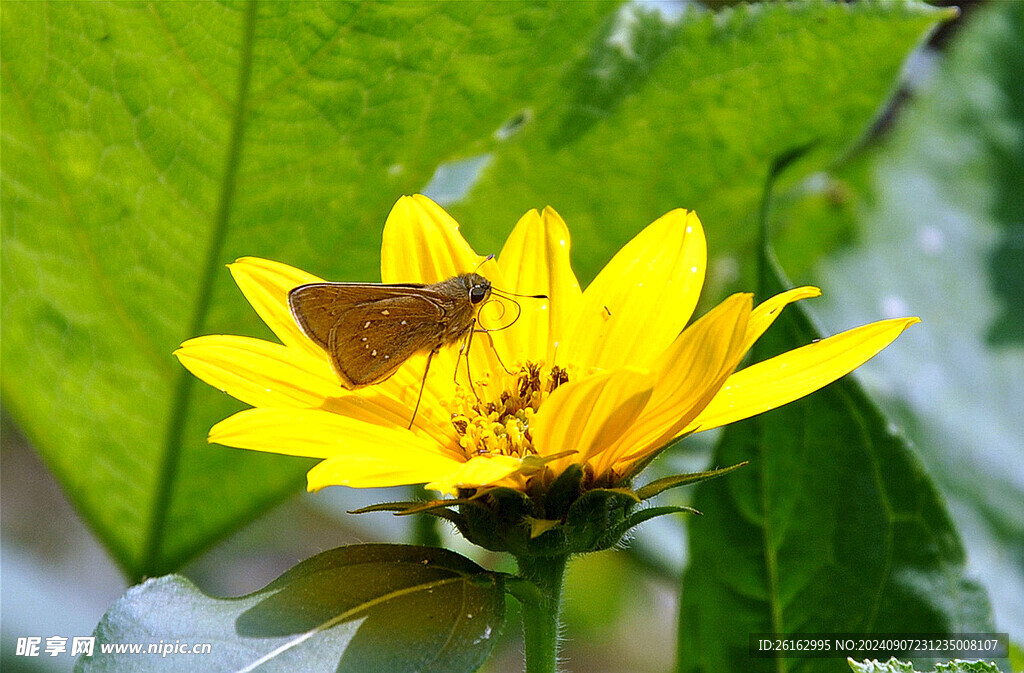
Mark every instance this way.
x=833 y=527
x=144 y=146
x=941 y=212
x=896 y=666
x=361 y=608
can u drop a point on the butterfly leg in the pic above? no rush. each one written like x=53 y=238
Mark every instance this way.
x=495 y=351
x=465 y=349
x=419 y=398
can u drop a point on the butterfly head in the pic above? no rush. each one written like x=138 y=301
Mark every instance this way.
x=479 y=288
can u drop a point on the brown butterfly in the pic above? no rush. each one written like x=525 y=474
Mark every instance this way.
x=370 y=329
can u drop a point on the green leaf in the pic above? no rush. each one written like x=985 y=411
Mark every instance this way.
x=690 y=113
x=361 y=608
x=833 y=527
x=145 y=146
x=896 y=666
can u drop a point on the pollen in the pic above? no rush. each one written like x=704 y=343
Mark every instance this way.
x=502 y=427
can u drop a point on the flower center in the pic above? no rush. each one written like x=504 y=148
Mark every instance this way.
x=503 y=426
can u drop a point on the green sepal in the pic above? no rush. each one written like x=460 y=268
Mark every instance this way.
x=596 y=519
x=576 y=520
x=438 y=508
x=563 y=492
x=498 y=519
x=638 y=517
x=503 y=518
x=658 y=485
x=648 y=513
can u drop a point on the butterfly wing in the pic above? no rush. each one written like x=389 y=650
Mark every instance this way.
x=368 y=330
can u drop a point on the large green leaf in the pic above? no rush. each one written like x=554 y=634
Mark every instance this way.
x=834 y=527
x=146 y=145
x=691 y=113
x=352 y=609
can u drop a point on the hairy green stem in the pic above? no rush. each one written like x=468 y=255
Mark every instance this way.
x=542 y=605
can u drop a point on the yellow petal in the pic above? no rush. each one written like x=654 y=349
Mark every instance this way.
x=588 y=415
x=266 y=374
x=690 y=372
x=422 y=244
x=642 y=299
x=266 y=285
x=478 y=471
x=321 y=434
x=535 y=260
x=258 y=372
x=787 y=377
x=767 y=311
x=396 y=468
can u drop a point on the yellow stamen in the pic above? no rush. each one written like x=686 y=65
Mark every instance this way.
x=503 y=427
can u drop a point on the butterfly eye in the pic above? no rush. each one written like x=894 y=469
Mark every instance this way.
x=477 y=293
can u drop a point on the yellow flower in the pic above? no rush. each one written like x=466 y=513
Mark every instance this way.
x=602 y=378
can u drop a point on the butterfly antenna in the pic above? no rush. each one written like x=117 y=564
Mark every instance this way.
x=483 y=261
x=423 y=384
